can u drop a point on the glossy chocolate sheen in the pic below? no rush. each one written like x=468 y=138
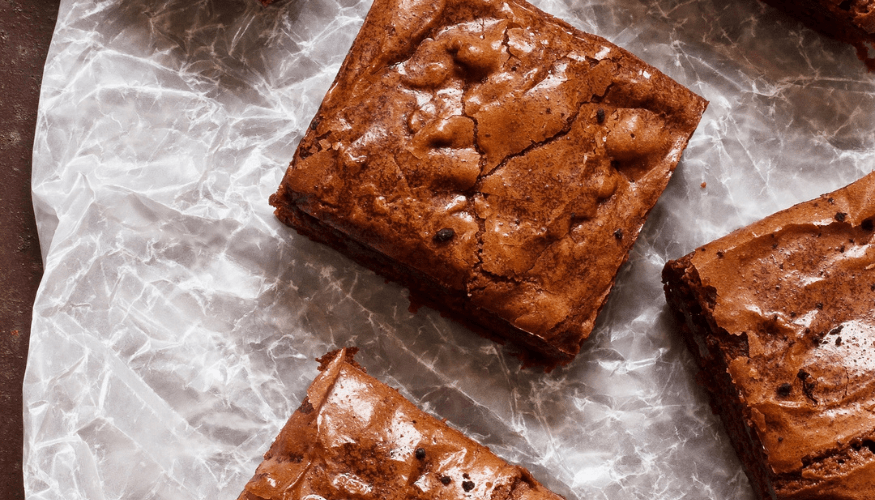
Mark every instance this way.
x=790 y=308
x=354 y=437
x=500 y=152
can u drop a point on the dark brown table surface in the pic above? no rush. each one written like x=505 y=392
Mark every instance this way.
x=25 y=33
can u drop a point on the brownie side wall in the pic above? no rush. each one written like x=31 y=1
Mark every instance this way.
x=712 y=353
x=423 y=289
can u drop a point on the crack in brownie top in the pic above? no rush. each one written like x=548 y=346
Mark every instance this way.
x=532 y=143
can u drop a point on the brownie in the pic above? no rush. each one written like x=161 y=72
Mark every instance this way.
x=494 y=160
x=780 y=317
x=354 y=437
x=850 y=21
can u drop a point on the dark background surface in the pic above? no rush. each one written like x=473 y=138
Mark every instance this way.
x=25 y=33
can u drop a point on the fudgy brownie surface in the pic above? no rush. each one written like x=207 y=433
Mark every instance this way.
x=354 y=437
x=493 y=159
x=851 y=21
x=781 y=317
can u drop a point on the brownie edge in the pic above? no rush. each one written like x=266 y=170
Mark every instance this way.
x=779 y=318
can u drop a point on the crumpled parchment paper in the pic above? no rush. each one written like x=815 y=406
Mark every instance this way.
x=176 y=324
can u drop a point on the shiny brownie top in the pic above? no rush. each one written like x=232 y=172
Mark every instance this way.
x=496 y=149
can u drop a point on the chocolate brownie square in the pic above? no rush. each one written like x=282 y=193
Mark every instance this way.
x=780 y=316
x=494 y=160
x=354 y=437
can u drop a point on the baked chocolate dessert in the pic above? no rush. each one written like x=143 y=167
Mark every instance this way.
x=849 y=21
x=491 y=158
x=354 y=437
x=780 y=316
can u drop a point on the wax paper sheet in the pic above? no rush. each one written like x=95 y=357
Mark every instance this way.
x=176 y=324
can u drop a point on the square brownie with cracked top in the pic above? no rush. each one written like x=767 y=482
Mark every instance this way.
x=780 y=317
x=494 y=160
x=354 y=437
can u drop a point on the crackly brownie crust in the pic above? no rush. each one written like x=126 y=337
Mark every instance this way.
x=493 y=159
x=354 y=437
x=781 y=319
x=850 y=21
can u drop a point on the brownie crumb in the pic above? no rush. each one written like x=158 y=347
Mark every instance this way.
x=315 y=123
x=600 y=115
x=306 y=407
x=784 y=390
x=618 y=234
x=841 y=216
x=867 y=225
x=838 y=341
x=420 y=454
x=837 y=330
x=819 y=305
x=444 y=235
x=446 y=480
x=468 y=485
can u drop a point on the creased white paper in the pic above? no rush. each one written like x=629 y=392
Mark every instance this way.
x=176 y=324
